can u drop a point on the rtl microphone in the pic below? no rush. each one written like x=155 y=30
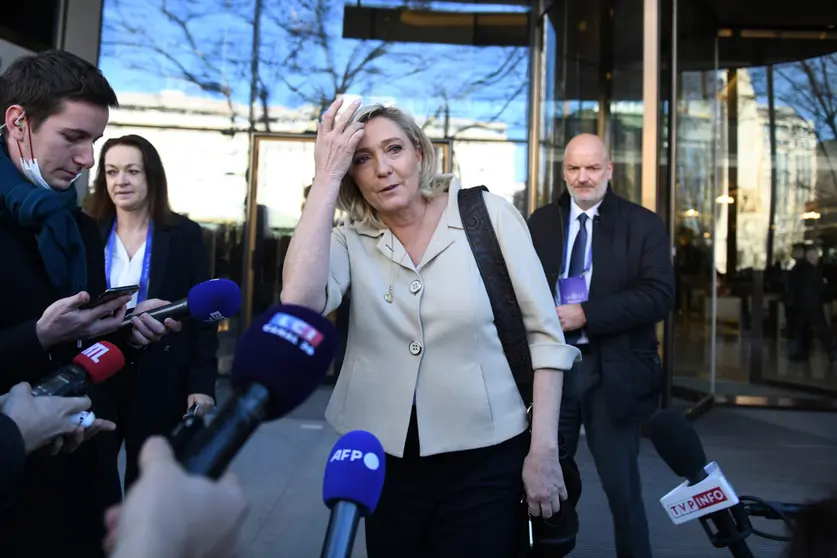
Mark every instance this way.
x=706 y=495
x=352 y=485
x=207 y=302
x=94 y=365
x=279 y=362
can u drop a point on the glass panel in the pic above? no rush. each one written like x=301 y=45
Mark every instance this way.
x=593 y=57
x=755 y=174
x=696 y=307
x=787 y=163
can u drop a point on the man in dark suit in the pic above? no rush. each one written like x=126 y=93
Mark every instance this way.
x=608 y=263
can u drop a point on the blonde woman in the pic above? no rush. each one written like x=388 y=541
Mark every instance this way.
x=424 y=369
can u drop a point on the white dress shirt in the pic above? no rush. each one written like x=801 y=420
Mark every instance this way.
x=575 y=211
x=126 y=271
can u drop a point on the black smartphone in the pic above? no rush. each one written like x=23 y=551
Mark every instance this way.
x=111 y=294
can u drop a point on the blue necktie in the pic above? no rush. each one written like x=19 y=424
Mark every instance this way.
x=577 y=257
x=579 y=252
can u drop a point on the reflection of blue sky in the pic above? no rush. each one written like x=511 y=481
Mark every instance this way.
x=145 y=51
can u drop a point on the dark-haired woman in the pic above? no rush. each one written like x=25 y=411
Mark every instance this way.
x=149 y=245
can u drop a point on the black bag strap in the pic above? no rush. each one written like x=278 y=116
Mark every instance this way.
x=495 y=274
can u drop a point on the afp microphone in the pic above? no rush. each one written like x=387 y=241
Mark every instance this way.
x=207 y=302
x=352 y=485
x=279 y=362
x=94 y=365
x=706 y=494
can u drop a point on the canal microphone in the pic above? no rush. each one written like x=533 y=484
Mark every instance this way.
x=281 y=359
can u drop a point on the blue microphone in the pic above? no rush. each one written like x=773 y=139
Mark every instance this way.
x=207 y=302
x=279 y=362
x=354 y=479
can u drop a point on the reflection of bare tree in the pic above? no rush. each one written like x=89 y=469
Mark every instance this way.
x=492 y=83
x=194 y=51
x=318 y=65
x=810 y=87
x=259 y=53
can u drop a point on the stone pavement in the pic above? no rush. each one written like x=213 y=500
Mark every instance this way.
x=776 y=455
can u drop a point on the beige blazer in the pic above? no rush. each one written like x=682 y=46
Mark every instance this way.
x=436 y=343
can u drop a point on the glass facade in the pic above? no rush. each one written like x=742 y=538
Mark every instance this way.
x=752 y=137
x=722 y=117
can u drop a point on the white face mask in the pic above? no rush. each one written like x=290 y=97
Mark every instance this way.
x=31 y=169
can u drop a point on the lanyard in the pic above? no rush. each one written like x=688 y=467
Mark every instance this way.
x=146 y=261
x=565 y=261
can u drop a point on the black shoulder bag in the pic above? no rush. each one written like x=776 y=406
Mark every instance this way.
x=553 y=537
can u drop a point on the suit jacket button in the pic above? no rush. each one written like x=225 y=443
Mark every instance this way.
x=415 y=347
x=167 y=347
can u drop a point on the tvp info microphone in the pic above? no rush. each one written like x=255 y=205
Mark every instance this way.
x=354 y=479
x=706 y=495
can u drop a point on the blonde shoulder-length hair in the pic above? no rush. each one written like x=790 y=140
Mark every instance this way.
x=351 y=200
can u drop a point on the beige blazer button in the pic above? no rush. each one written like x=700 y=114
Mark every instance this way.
x=415 y=286
x=415 y=347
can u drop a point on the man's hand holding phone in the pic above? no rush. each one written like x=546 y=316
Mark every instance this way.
x=67 y=319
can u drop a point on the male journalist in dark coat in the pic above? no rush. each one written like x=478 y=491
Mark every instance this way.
x=608 y=263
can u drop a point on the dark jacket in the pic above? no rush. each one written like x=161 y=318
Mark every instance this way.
x=632 y=288
x=68 y=492
x=12 y=460
x=181 y=363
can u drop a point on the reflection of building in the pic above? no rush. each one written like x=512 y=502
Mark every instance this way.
x=207 y=165
x=795 y=177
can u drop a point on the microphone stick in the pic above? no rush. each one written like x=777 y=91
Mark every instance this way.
x=342 y=529
x=279 y=362
x=678 y=444
x=352 y=485
x=207 y=302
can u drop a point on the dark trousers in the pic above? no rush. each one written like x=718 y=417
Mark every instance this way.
x=464 y=503
x=801 y=321
x=139 y=411
x=615 y=450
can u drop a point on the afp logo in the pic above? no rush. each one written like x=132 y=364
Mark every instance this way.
x=95 y=352
x=370 y=460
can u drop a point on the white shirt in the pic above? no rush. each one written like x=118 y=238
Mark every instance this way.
x=125 y=271
x=575 y=224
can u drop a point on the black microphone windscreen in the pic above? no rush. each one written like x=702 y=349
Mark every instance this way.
x=288 y=350
x=677 y=443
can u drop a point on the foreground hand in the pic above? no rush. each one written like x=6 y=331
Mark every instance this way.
x=543 y=481
x=149 y=330
x=204 y=403
x=41 y=420
x=171 y=513
x=70 y=442
x=64 y=320
x=572 y=316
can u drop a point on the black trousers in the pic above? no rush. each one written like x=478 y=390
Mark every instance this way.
x=464 y=503
x=138 y=415
x=615 y=449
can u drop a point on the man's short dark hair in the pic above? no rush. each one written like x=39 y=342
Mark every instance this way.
x=41 y=83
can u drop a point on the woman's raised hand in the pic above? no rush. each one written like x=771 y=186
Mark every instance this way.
x=336 y=142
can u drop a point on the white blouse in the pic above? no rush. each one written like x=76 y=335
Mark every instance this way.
x=126 y=271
